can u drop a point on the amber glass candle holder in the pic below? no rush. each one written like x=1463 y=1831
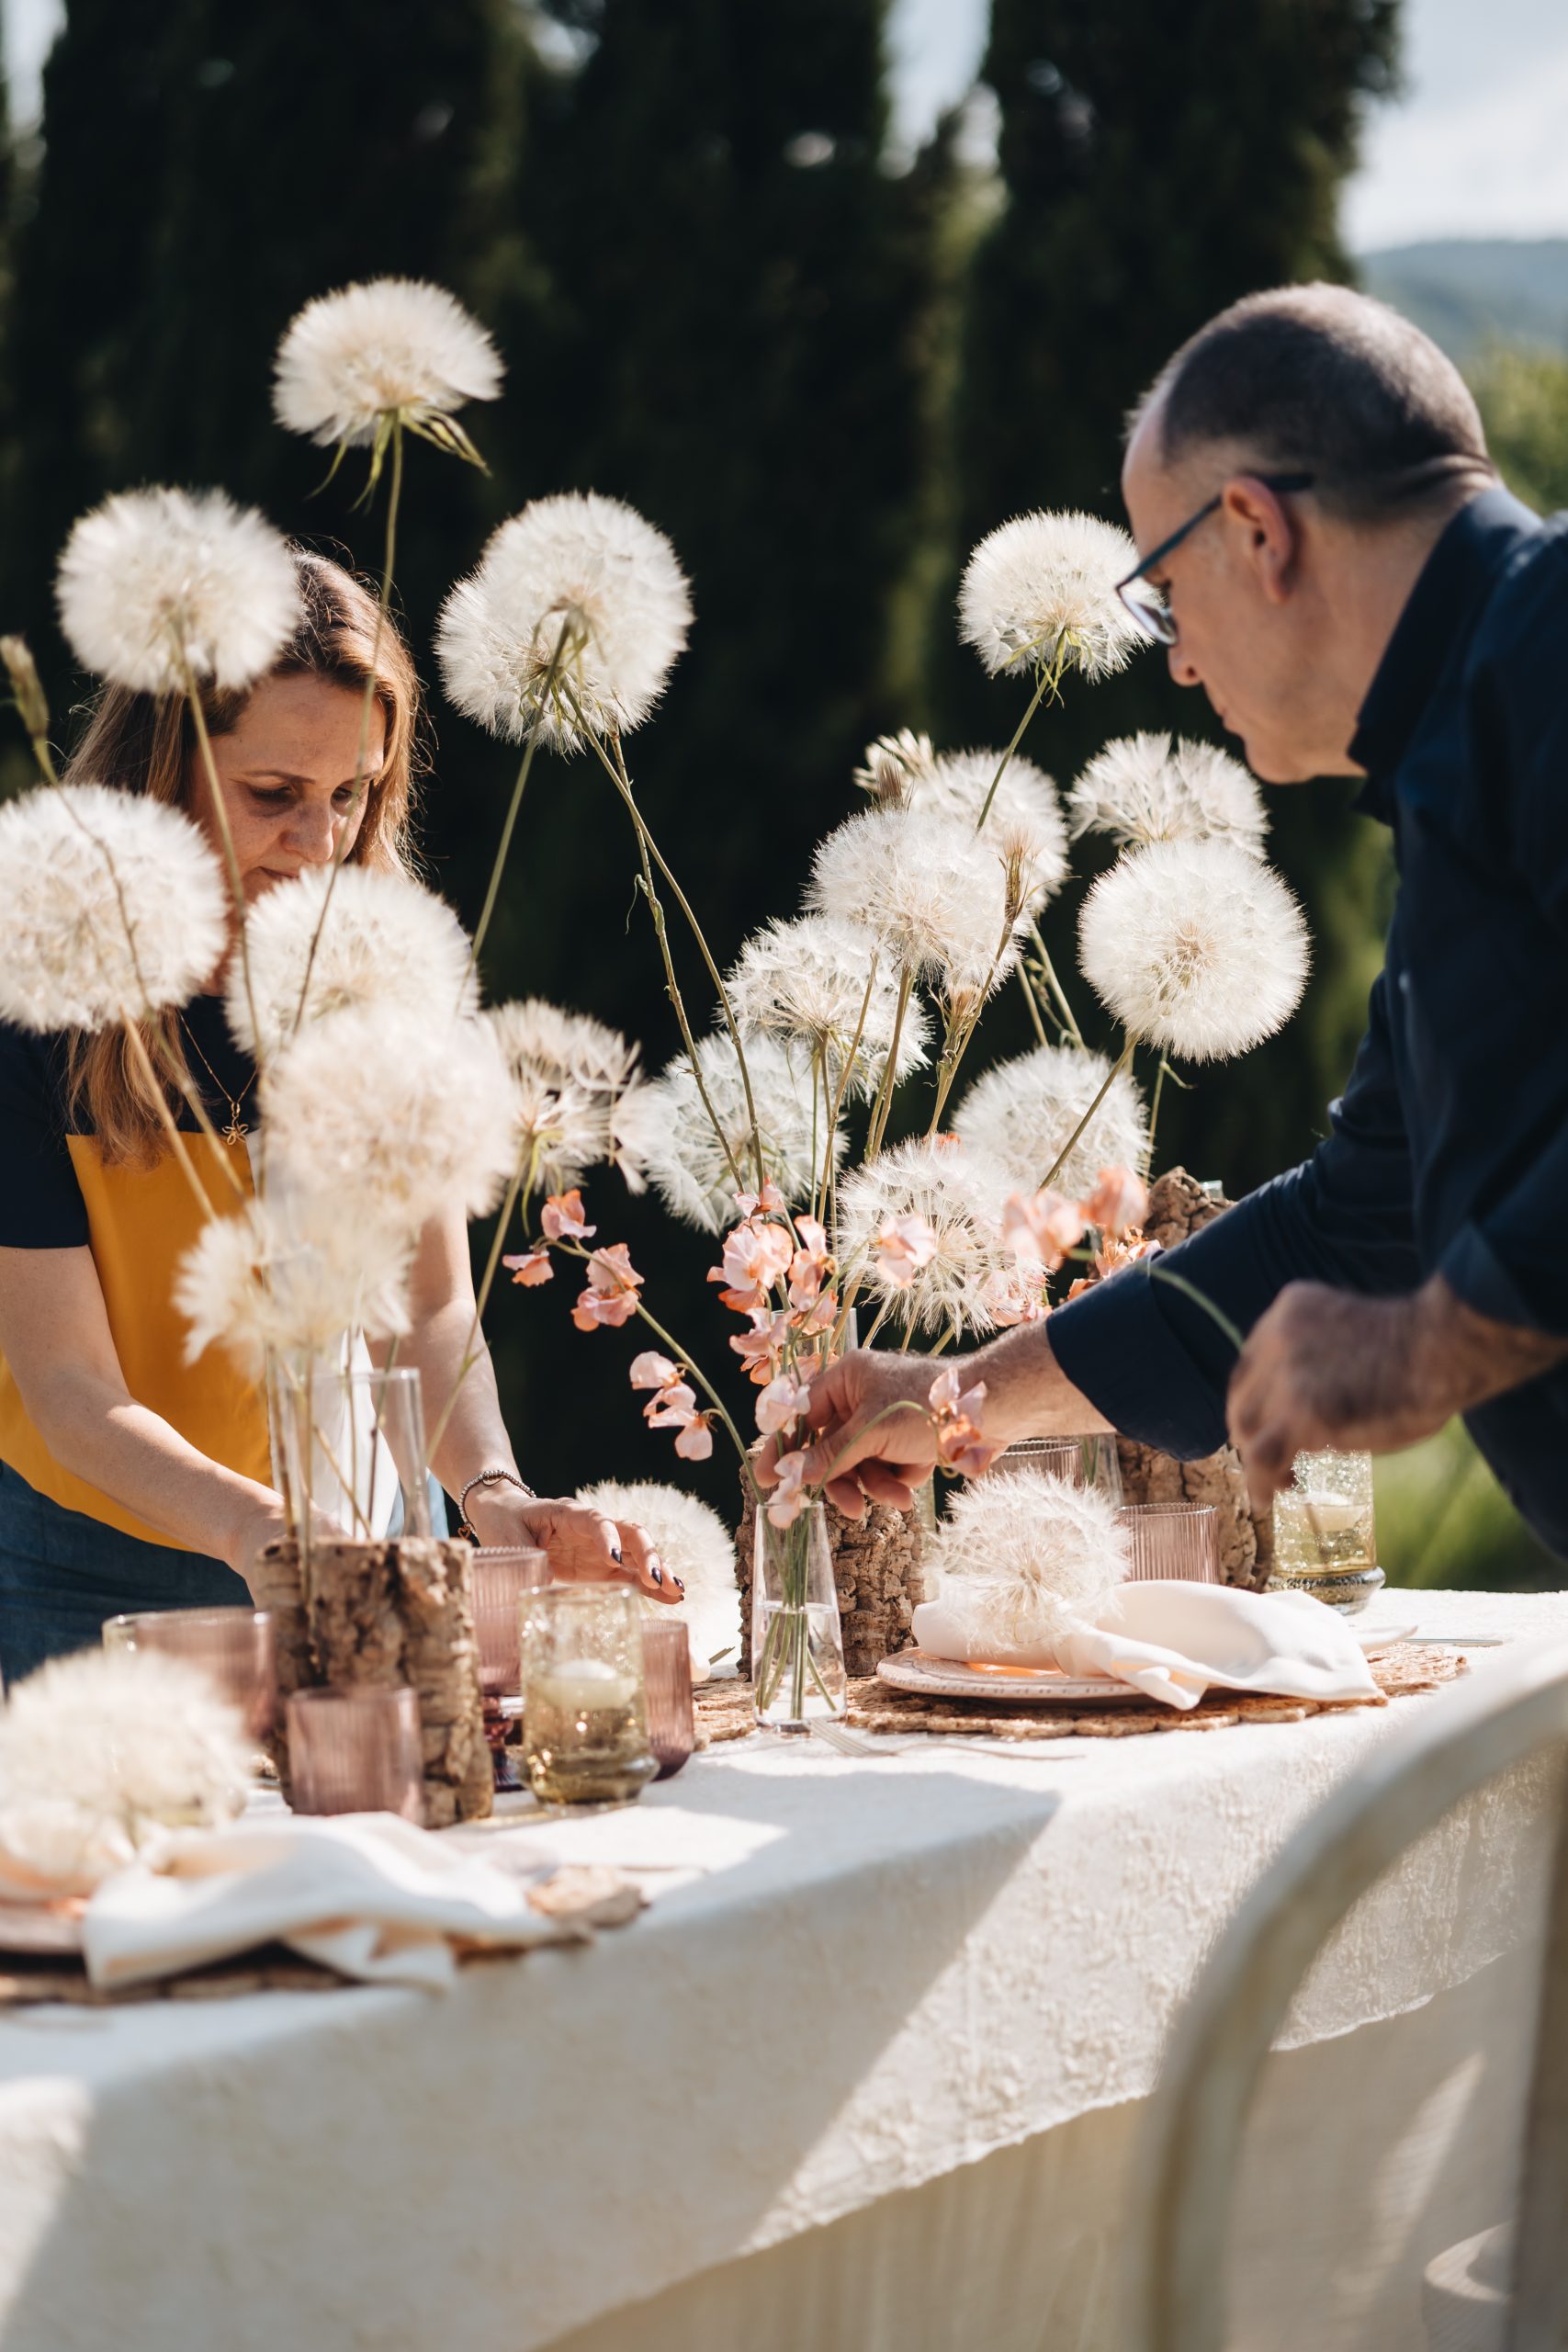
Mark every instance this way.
x=667 y=1673
x=1325 y=1535
x=584 y=1711
x=357 y=1751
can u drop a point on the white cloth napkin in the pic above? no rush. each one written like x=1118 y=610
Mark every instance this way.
x=363 y=1893
x=1174 y=1639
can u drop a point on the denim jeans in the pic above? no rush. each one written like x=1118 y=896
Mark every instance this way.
x=62 y=1574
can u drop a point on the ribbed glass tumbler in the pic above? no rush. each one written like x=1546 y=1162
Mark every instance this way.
x=357 y=1751
x=667 y=1673
x=233 y=1647
x=1180 y=1540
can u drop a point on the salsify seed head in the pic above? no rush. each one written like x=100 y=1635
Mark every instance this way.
x=1025 y=1559
x=693 y=1544
x=1195 y=947
x=386 y=942
x=811 y=984
x=944 y=903
x=111 y=903
x=959 y=1196
x=387 y=347
x=1039 y=594
x=577 y=585
x=892 y=764
x=1163 y=788
x=394 y=1117
x=156 y=583
x=580 y=1102
x=292 y=1274
x=1021 y=1114
x=685 y=1162
x=1024 y=808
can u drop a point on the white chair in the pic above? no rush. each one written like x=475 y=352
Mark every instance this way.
x=1511 y=1710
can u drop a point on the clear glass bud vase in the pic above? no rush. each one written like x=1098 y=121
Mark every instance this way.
x=798 y=1649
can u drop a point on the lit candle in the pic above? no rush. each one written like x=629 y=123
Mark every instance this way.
x=585 y=1686
x=1331 y=1514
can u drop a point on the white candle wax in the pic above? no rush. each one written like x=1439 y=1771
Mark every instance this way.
x=1333 y=1515
x=585 y=1685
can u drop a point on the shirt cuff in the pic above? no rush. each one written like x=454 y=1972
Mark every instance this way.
x=1476 y=1274
x=1115 y=1344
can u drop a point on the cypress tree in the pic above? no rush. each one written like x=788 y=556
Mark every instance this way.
x=1155 y=165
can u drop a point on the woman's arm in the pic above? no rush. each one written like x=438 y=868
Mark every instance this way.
x=54 y=1334
x=581 y=1543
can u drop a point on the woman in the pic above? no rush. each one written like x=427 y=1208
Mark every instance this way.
x=129 y=1479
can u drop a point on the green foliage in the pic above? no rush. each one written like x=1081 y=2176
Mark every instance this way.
x=1523 y=398
x=1443 y=1520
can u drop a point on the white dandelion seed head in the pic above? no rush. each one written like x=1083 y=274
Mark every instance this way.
x=807 y=983
x=391 y=345
x=1194 y=946
x=393 y=1116
x=1025 y=809
x=693 y=1544
x=931 y=889
x=1040 y=591
x=1025 y=1560
x=100 y=1750
x=580 y=581
x=153 y=581
x=1021 y=1114
x=894 y=764
x=110 y=903
x=1160 y=788
x=291 y=1276
x=685 y=1164
x=577 y=1100
x=961 y=1195
x=387 y=941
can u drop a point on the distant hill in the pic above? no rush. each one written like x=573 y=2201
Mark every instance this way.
x=1467 y=292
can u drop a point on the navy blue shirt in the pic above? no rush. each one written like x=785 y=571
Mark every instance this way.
x=1447 y=1151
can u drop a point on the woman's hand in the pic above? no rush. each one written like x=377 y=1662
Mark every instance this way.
x=584 y=1546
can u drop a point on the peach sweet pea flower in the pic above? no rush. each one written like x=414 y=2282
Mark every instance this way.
x=760 y=1348
x=1043 y=1225
x=1119 y=1202
x=611 y=1295
x=531 y=1267
x=959 y=1444
x=1011 y=1299
x=810 y=1265
x=789 y=1497
x=781 y=1402
x=770 y=1197
x=902 y=1246
x=695 y=1440
x=675 y=1408
x=820 y=1316
x=561 y=1218
x=651 y=1370
x=756 y=1257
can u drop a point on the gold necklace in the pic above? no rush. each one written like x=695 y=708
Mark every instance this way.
x=236 y=1129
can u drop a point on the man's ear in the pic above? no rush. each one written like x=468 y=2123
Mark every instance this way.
x=1264 y=536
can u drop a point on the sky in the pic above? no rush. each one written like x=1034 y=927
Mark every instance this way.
x=1477 y=147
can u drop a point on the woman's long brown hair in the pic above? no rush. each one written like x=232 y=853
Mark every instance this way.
x=147 y=743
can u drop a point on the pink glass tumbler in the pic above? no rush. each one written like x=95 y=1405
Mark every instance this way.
x=667 y=1676
x=1180 y=1540
x=499 y=1575
x=357 y=1751
x=233 y=1647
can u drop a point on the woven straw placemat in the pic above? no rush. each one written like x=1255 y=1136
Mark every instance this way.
x=724 y=1709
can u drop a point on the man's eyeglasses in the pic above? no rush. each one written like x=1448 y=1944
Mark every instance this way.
x=1145 y=601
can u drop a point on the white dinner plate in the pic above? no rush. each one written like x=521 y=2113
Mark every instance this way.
x=949 y=1677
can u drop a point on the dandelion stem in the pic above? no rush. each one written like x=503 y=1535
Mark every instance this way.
x=523 y=1181
x=882 y=1107
x=226 y=837
x=1050 y=679
x=143 y=1062
x=1054 y=985
x=383 y=606
x=845 y=1067
x=1190 y=1290
x=1154 y=1118
x=1027 y=986
x=1112 y=1075
x=520 y=786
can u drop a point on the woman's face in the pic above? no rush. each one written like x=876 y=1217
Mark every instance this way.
x=287 y=772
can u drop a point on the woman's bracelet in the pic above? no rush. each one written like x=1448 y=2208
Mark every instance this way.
x=488 y=1478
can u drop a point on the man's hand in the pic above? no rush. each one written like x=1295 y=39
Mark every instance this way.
x=879 y=1464
x=1328 y=1368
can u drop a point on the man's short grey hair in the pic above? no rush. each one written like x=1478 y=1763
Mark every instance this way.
x=1319 y=379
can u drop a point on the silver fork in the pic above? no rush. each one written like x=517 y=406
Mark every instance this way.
x=848 y=1743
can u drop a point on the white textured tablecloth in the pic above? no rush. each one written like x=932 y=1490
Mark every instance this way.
x=883 y=1971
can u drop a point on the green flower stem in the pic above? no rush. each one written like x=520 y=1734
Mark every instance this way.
x=671 y=985
x=383 y=606
x=1112 y=1075
x=1190 y=1290
x=1049 y=679
x=1054 y=985
x=523 y=1182
x=505 y=846
x=1027 y=986
x=882 y=1106
x=225 y=835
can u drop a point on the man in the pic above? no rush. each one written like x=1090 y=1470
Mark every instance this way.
x=1330 y=556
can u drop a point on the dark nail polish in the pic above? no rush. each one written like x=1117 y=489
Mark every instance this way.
x=615 y=1554
x=678 y=1583
x=656 y=1572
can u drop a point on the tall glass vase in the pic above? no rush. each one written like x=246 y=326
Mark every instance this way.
x=797 y=1650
